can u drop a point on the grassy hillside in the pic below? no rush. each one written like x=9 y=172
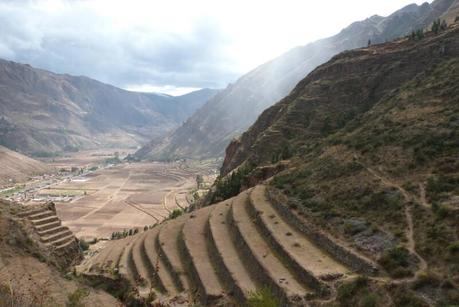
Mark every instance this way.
x=368 y=144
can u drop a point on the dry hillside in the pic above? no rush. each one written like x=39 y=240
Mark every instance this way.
x=366 y=148
x=42 y=112
x=30 y=275
x=16 y=167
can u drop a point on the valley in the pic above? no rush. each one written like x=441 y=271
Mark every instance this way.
x=325 y=177
x=95 y=198
x=124 y=197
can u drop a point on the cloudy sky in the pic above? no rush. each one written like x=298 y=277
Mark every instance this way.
x=169 y=46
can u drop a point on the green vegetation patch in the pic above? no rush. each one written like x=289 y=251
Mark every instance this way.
x=263 y=298
x=397 y=262
x=358 y=292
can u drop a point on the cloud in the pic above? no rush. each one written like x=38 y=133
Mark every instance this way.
x=168 y=44
x=70 y=37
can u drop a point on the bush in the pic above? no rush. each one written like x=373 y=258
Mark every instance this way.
x=84 y=245
x=348 y=290
x=76 y=298
x=453 y=248
x=369 y=300
x=425 y=280
x=231 y=186
x=396 y=262
x=175 y=213
x=404 y=297
x=263 y=298
x=438 y=26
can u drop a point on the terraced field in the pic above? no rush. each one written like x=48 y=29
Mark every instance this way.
x=49 y=229
x=125 y=197
x=224 y=252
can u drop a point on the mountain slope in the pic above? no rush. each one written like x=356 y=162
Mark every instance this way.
x=45 y=112
x=17 y=167
x=210 y=129
x=366 y=147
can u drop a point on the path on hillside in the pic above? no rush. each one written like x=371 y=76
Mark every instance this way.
x=411 y=246
x=422 y=196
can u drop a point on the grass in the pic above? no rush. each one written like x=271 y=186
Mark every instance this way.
x=76 y=298
x=9 y=192
x=396 y=262
x=57 y=192
x=263 y=298
x=358 y=292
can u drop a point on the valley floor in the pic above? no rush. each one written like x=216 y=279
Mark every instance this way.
x=124 y=197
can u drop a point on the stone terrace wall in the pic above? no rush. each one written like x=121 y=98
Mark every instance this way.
x=338 y=251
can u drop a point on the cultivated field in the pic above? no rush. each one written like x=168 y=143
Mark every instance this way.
x=85 y=158
x=125 y=197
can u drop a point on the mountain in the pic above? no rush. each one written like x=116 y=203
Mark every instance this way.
x=366 y=147
x=211 y=128
x=17 y=167
x=43 y=112
x=344 y=193
x=452 y=13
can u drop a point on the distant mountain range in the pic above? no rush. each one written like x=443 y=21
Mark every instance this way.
x=207 y=133
x=42 y=112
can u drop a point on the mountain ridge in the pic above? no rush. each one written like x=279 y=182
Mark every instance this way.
x=46 y=112
x=365 y=148
x=210 y=129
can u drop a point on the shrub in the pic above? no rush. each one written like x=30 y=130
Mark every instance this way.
x=369 y=300
x=263 y=298
x=175 y=213
x=436 y=26
x=424 y=280
x=404 y=297
x=84 y=245
x=76 y=298
x=396 y=262
x=443 y=25
x=453 y=248
x=348 y=290
x=231 y=186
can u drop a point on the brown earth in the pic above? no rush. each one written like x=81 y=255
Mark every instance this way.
x=18 y=168
x=28 y=277
x=125 y=197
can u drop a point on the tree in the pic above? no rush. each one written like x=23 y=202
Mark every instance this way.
x=443 y=25
x=436 y=26
x=419 y=34
x=199 y=181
